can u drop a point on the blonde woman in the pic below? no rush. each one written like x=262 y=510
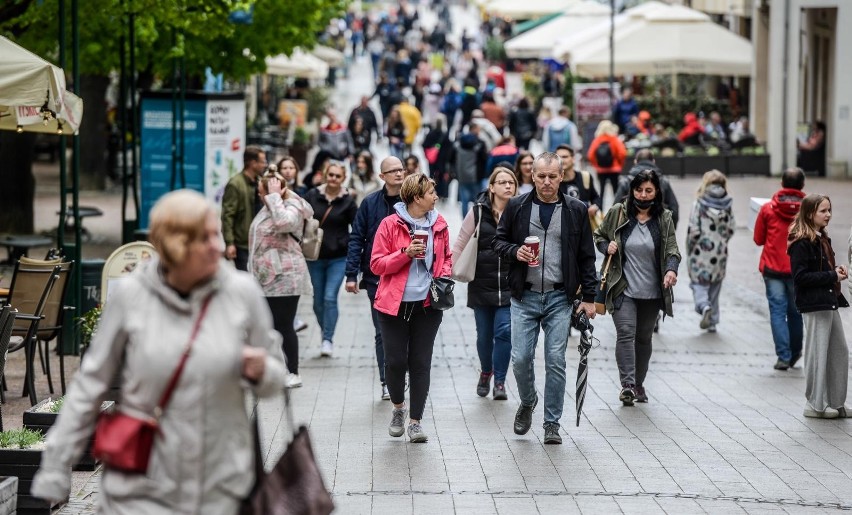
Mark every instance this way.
x=711 y=225
x=276 y=260
x=203 y=460
x=408 y=323
x=817 y=279
x=335 y=210
x=489 y=294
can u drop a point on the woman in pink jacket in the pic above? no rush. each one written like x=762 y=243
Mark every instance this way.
x=408 y=324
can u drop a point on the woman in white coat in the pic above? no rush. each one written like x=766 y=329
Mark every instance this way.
x=203 y=460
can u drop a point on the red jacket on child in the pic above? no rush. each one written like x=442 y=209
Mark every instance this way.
x=771 y=229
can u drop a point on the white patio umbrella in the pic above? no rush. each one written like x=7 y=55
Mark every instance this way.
x=330 y=55
x=599 y=30
x=32 y=94
x=670 y=40
x=539 y=42
x=526 y=9
x=298 y=64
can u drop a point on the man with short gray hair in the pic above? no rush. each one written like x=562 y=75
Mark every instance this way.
x=547 y=239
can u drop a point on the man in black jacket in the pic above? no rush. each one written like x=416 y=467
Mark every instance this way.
x=542 y=294
x=373 y=209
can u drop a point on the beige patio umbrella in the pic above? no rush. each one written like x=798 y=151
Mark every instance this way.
x=526 y=9
x=540 y=42
x=599 y=30
x=32 y=94
x=330 y=55
x=298 y=64
x=667 y=41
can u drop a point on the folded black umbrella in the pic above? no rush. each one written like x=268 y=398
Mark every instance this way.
x=580 y=322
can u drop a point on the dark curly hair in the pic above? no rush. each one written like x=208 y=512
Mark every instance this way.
x=648 y=175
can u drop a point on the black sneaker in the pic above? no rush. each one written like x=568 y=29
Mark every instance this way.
x=795 y=359
x=523 y=418
x=781 y=365
x=641 y=396
x=551 y=434
x=500 y=391
x=627 y=395
x=484 y=384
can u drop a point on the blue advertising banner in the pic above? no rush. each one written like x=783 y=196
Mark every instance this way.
x=214 y=141
x=156 y=150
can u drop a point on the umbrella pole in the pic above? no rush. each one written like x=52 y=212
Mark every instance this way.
x=674 y=85
x=63 y=158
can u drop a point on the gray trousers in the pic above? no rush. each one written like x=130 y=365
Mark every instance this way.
x=707 y=294
x=634 y=327
x=826 y=360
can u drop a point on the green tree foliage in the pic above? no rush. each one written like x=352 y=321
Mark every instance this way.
x=206 y=35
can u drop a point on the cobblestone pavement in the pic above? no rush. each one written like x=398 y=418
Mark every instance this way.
x=723 y=432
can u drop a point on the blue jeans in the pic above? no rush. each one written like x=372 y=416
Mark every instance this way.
x=494 y=339
x=326 y=277
x=785 y=321
x=468 y=193
x=551 y=312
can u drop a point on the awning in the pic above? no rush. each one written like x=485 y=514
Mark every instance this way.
x=540 y=42
x=298 y=64
x=32 y=93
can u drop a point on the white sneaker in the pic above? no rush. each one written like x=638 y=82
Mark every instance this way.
x=706 y=315
x=385 y=393
x=327 y=349
x=294 y=381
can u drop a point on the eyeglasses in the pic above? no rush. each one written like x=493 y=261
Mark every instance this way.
x=395 y=170
x=503 y=183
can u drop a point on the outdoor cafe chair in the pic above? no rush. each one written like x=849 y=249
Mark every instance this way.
x=7 y=320
x=38 y=291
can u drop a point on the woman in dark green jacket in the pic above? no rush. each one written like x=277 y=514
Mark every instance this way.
x=640 y=236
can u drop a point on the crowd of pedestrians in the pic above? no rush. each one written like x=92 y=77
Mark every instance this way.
x=433 y=99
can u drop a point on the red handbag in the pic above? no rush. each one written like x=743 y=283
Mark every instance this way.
x=124 y=442
x=432 y=153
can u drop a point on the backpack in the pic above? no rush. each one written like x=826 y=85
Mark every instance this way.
x=558 y=137
x=603 y=155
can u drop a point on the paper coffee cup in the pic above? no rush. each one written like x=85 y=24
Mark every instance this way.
x=423 y=236
x=533 y=243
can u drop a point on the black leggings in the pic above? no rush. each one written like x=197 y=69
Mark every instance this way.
x=283 y=315
x=408 y=339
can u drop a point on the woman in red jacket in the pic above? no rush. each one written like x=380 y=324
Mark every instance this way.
x=409 y=325
x=607 y=154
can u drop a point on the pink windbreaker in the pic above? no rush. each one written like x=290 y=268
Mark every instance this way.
x=391 y=264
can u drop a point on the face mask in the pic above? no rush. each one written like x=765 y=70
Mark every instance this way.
x=643 y=204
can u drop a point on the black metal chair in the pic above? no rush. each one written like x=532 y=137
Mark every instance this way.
x=7 y=320
x=51 y=328
x=33 y=290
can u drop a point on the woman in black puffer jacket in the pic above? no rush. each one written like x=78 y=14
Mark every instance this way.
x=335 y=208
x=489 y=294
x=817 y=280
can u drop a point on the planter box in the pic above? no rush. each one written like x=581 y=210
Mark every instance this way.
x=699 y=165
x=8 y=495
x=42 y=421
x=748 y=165
x=670 y=166
x=23 y=464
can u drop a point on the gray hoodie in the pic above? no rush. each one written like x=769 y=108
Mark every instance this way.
x=420 y=272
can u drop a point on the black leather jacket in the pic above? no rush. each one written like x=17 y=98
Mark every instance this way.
x=578 y=252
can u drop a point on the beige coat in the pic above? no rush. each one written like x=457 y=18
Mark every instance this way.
x=204 y=463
